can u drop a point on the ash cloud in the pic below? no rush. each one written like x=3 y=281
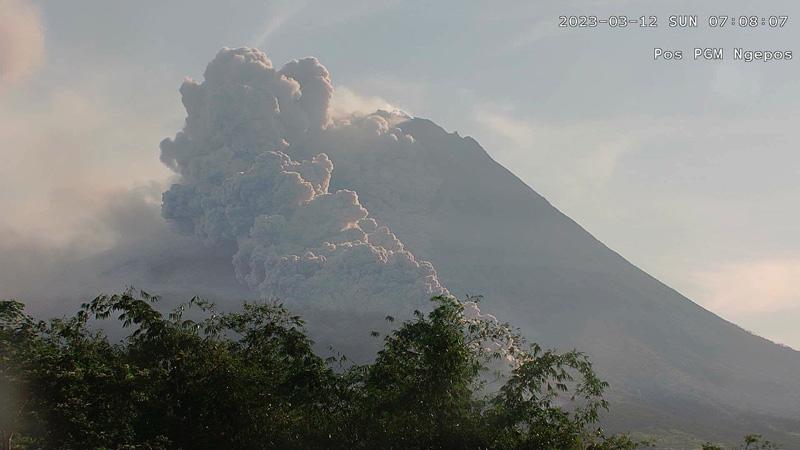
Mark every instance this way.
x=21 y=39
x=146 y=253
x=249 y=175
x=263 y=204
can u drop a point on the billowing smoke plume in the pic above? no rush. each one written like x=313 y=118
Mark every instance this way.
x=296 y=240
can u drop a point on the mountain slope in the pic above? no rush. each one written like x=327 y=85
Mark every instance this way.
x=672 y=364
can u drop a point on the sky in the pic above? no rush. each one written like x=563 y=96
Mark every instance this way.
x=688 y=169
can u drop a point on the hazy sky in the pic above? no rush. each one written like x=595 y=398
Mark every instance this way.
x=688 y=169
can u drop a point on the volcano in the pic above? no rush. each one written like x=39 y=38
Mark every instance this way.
x=351 y=218
x=346 y=217
x=672 y=365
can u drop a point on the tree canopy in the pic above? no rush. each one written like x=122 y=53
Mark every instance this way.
x=251 y=380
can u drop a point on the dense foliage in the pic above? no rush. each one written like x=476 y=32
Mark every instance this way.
x=251 y=380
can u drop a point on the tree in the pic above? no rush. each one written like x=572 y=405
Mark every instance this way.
x=425 y=389
x=224 y=381
x=751 y=442
x=250 y=380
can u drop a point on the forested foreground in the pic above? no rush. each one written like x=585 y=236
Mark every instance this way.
x=199 y=379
